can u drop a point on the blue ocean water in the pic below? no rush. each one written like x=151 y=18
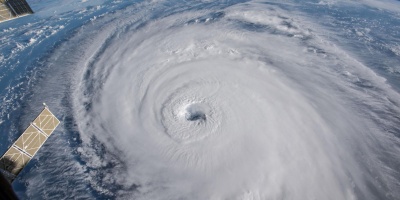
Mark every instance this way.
x=56 y=55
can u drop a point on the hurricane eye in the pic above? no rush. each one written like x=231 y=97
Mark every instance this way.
x=195 y=112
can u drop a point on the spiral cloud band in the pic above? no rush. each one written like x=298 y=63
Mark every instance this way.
x=241 y=101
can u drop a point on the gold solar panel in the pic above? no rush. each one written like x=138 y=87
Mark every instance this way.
x=29 y=143
x=46 y=121
x=31 y=140
x=14 y=160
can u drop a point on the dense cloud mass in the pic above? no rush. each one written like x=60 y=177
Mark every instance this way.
x=211 y=100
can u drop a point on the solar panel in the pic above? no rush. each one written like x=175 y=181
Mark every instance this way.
x=14 y=160
x=10 y=9
x=46 y=122
x=19 y=7
x=29 y=143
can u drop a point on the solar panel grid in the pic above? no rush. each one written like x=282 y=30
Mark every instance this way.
x=10 y=9
x=14 y=161
x=46 y=122
x=31 y=140
x=29 y=143
x=20 y=6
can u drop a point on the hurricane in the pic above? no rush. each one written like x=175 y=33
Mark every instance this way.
x=208 y=100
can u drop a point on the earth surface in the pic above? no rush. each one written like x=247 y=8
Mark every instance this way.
x=178 y=99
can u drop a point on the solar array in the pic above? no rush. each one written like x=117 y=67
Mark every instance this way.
x=10 y=9
x=28 y=144
x=19 y=7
